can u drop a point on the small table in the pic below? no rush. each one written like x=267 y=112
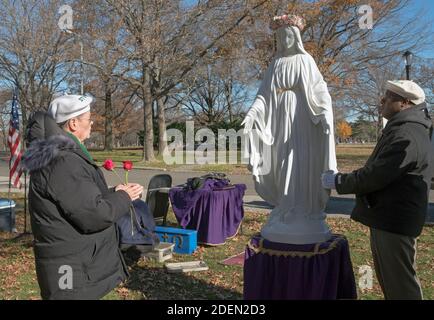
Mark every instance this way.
x=321 y=271
x=216 y=213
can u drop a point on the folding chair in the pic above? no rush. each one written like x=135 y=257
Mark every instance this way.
x=158 y=202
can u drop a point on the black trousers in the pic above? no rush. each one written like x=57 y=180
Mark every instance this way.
x=395 y=265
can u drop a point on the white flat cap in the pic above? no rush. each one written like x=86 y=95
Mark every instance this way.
x=407 y=89
x=67 y=107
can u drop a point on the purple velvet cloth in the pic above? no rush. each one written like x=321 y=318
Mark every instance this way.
x=215 y=210
x=325 y=275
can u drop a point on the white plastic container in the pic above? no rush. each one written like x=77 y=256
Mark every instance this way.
x=7 y=215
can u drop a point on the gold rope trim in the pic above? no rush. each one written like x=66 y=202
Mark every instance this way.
x=282 y=90
x=293 y=254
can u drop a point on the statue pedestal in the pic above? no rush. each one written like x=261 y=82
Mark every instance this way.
x=300 y=230
x=321 y=271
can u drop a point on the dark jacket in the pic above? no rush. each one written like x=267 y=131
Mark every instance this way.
x=392 y=188
x=72 y=216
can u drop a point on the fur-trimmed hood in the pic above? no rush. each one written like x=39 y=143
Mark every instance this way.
x=45 y=140
x=42 y=152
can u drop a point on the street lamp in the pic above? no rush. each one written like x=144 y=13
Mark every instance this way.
x=408 y=57
x=81 y=68
x=81 y=58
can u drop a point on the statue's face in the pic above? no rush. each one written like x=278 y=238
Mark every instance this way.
x=285 y=38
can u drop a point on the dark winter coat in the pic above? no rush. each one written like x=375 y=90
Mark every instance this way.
x=392 y=188
x=72 y=215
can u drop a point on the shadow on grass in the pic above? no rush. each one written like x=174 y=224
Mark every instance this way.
x=153 y=282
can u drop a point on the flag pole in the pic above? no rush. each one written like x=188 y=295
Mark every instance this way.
x=9 y=195
x=25 y=190
x=23 y=149
x=9 y=185
x=10 y=161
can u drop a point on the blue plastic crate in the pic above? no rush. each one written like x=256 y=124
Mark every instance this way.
x=185 y=240
x=7 y=215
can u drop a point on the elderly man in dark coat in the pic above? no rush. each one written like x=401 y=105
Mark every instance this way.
x=392 y=188
x=72 y=210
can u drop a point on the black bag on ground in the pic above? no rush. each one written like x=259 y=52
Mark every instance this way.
x=137 y=228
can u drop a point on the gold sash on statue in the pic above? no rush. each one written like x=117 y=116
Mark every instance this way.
x=282 y=90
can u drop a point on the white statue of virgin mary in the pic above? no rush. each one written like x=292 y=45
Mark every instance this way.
x=290 y=129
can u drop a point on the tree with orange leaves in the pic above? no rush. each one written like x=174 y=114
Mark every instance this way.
x=343 y=130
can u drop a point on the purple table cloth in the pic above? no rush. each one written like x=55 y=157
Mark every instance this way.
x=215 y=210
x=276 y=271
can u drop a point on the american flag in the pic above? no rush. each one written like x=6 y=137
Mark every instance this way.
x=14 y=142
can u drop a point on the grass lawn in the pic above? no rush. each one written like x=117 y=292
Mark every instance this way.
x=350 y=157
x=149 y=280
x=136 y=157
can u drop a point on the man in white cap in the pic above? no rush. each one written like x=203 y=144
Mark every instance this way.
x=392 y=189
x=65 y=110
x=73 y=212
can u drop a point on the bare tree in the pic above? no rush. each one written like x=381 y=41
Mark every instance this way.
x=213 y=94
x=362 y=97
x=32 y=51
x=170 y=40
x=424 y=75
x=100 y=29
x=5 y=111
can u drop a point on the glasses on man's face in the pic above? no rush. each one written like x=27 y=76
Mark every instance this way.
x=86 y=119
x=392 y=96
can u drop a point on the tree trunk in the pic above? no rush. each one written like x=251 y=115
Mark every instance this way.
x=24 y=120
x=23 y=108
x=4 y=126
x=148 y=145
x=379 y=128
x=162 y=142
x=228 y=94
x=108 y=137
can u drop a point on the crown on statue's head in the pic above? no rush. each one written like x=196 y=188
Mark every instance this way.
x=289 y=20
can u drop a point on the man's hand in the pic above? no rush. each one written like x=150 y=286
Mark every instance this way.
x=134 y=190
x=328 y=180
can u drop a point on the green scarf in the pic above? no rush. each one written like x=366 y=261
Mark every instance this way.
x=82 y=147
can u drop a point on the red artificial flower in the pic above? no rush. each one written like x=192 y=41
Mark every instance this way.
x=109 y=165
x=128 y=165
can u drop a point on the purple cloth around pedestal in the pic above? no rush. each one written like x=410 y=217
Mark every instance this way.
x=215 y=210
x=276 y=271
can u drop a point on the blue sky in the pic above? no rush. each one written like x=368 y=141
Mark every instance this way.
x=424 y=6
x=427 y=6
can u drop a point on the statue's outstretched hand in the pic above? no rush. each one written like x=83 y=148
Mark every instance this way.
x=248 y=124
